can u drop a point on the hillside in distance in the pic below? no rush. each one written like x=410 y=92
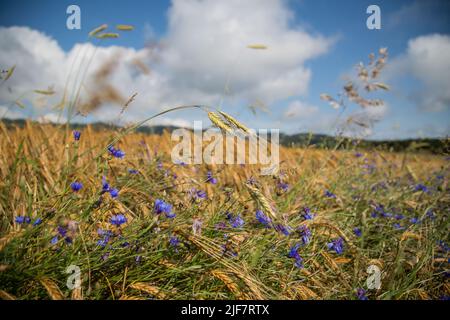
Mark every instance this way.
x=428 y=145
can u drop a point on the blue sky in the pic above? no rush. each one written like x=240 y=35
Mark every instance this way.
x=341 y=23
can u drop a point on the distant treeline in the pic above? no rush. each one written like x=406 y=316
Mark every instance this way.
x=436 y=146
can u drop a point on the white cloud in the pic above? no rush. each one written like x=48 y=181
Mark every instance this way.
x=300 y=110
x=427 y=60
x=205 y=47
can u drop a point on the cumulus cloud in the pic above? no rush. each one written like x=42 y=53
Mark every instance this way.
x=426 y=59
x=202 y=55
x=300 y=110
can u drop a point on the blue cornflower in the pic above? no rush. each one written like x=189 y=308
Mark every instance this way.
x=329 y=194
x=379 y=208
x=399 y=216
x=54 y=240
x=106 y=236
x=76 y=186
x=361 y=294
x=357 y=232
x=293 y=253
x=414 y=220
x=174 y=242
x=114 y=193
x=162 y=207
x=105 y=185
x=305 y=233
x=220 y=225
x=262 y=218
x=421 y=187
x=237 y=221
x=283 y=186
x=22 y=219
x=118 y=219
x=443 y=245
x=386 y=215
x=133 y=171
x=358 y=154
x=337 y=245
x=197 y=195
x=181 y=163
x=76 y=135
x=116 y=152
x=307 y=215
x=210 y=178
x=430 y=214
x=107 y=188
x=170 y=215
x=37 y=222
x=103 y=242
x=283 y=229
x=398 y=226
x=62 y=231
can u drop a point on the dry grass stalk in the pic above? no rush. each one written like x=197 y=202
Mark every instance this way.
x=6 y=296
x=124 y=27
x=98 y=30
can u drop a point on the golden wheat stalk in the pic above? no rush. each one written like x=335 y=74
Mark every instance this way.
x=305 y=293
x=8 y=238
x=52 y=289
x=234 y=122
x=148 y=288
x=410 y=235
x=77 y=294
x=229 y=283
x=218 y=122
x=125 y=297
x=261 y=200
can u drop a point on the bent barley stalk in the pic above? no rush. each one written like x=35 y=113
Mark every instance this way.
x=219 y=123
x=234 y=122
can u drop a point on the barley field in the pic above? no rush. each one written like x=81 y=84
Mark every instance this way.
x=134 y=225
